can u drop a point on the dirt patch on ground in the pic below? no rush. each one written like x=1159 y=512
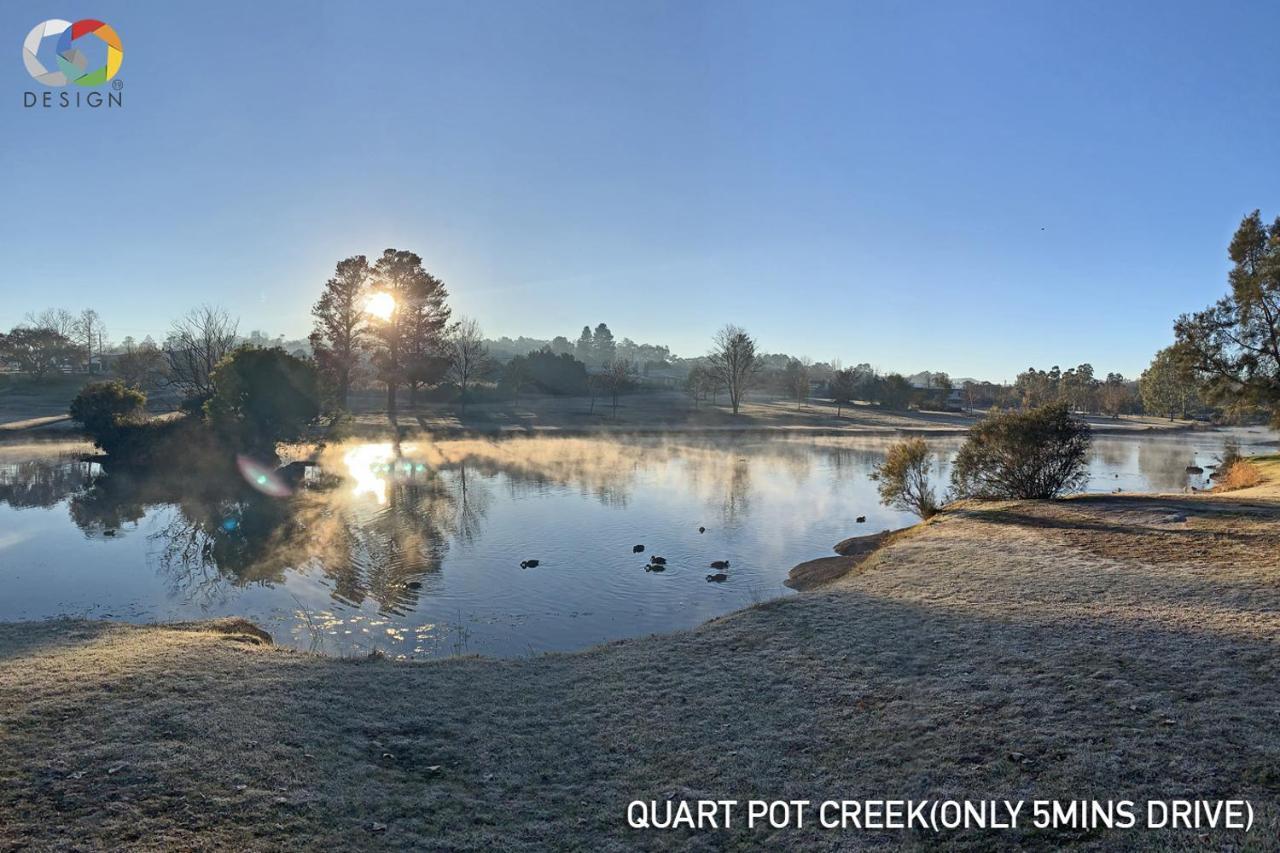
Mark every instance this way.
x=1095 y=648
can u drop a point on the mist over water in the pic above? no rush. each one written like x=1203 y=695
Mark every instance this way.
x=416 y=551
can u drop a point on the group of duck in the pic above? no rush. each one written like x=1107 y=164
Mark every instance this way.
x=659 y=564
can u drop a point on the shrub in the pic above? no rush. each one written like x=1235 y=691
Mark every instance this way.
x=1035 y=454
x=1240 y=474
x=262 y=397
x=103 y=407
x=904 y=478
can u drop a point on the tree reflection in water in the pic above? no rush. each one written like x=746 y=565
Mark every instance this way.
x=43 y=482
x=376 y=521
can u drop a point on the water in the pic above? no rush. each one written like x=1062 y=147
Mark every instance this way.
x=418 y=556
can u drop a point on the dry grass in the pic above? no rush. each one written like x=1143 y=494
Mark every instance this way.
x=1242 y=474
x=1103 y=647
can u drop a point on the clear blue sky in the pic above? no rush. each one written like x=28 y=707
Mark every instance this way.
x=966 y=186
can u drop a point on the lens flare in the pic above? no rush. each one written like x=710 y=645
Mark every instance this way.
x=262 y=478
x=381 y=305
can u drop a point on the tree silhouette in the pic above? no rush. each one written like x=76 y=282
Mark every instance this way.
x=417 y=321
x=340 y=334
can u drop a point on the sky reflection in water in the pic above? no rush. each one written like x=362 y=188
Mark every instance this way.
x=417 y=552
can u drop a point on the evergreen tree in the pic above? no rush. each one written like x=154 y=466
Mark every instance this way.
x=583 y=348
x=340 y=332
x=602 y=346
x=1234 y=344
x=408 y=342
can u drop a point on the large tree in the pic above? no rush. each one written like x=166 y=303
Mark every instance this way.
x=39 y=351
x=1234 y=344
x=414 y=326
x=602 y=345
x=583 y=347
x=339 y=333
x=734 y=362
x=1168 y=387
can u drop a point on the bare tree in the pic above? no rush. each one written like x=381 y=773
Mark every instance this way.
x=90 y=334
x=615 y=378
x=196 y=343
x=58 y=320
x=734 y=362
x=468 y=356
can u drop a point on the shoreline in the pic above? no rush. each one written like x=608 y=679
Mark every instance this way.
x=1089 y=647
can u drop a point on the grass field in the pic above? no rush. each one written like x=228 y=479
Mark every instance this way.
x=1103 y=647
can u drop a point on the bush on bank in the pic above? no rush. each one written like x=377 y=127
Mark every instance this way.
x=262 y=397
x=1036 y=454
x=903 y=478
x=106 y=409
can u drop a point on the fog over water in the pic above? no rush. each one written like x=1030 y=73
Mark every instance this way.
x=417 y=551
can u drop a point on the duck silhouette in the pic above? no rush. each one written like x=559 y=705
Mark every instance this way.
x=637 y=549
x=702 y=530
x=658 y=561
x=862 y=519
x=719 y=564
x=718 y=577
x=655 y=567
x=528 y=564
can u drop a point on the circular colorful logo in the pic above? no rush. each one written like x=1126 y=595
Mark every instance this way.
x=73 y=64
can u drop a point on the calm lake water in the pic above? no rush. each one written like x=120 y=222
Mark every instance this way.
x=418 y=553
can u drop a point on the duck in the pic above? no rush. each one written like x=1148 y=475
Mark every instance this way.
x=702 y=530
x=862 y=519
x=528 y=564
x=719 y=564
x=637 y=549
x=658 y=561
x=413 y=585
x=109 y=532
x=718 y=577
x=1194 y=469
x=655 y=567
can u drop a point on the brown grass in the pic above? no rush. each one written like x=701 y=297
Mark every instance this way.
x=1102 y=647
x=1242 y=474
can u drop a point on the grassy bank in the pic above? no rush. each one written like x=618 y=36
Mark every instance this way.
x=672 y=412
x=27 y=406
x=1104 y=647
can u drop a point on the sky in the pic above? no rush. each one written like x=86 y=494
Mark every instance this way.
x=974 y=187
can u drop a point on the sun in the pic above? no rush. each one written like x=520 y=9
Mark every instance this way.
x=380 y=305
